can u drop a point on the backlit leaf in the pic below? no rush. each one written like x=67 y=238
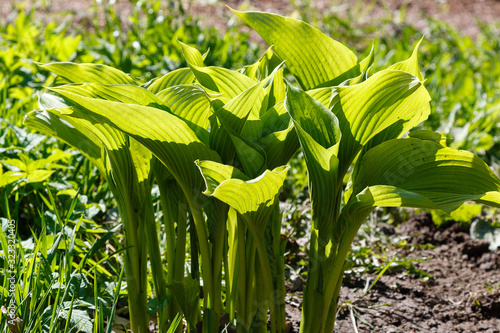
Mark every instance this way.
x=314 y=58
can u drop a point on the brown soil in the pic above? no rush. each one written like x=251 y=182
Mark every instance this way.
x=463 y=294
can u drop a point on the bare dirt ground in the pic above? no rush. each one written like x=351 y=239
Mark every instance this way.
x=463 y=294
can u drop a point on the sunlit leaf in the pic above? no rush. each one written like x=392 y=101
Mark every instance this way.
x=96 y=73
x=314 y=58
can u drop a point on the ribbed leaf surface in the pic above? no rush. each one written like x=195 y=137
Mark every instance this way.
x=229 y=83
x=167 y=136
x=387 y=98
x=87 y=143
x=364 y=67
x=96 y=73
x=174 y=78
x=233 y=117
x=117 y=92
x=245 y=196
x=317 y=127
x=408 y=121
x=322 y=95
x=444 y=176
x=360 y=206
x=313 y=57
x=190 y=103
x=319 y=135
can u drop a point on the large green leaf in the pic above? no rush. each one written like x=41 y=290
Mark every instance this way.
x=406 y=123
x=246 y=196
x=251 y=157
x=280 y=146
x=168 y=137
x=443 y=176
x=314 y=58
x=229 y=83
x=142 y=159
x=126 y=166
x=245 y=105
x=278 y=90
x=192 y=55
x=125 y=163
x=411 y=64
x=97 y=129
x=262 y=68
x=174 y=78
x=278 y=138
x=411 y=173
x=322 y=95
x=362 y=204
x=317 y=127
x=87 y=138
x=51 y=125
x=272 y=91
x=232 y=118
x=217 y=79
x=96 y=73
x=215 y=173
x=364 y=67
x=117 y=92
x=190 y=103
x=269 y=65
x=274 y=119
x=390 y=99
x=319 y=134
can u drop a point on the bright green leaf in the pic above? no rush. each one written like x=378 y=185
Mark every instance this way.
x=96 y=73
x=314 y=58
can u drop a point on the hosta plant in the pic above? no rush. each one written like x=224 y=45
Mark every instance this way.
x=356 y=129
x=216 y=142
x=230 y=119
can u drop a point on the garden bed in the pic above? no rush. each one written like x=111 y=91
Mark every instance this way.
x=463 y=294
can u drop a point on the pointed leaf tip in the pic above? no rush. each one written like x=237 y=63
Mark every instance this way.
x=312 y=57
